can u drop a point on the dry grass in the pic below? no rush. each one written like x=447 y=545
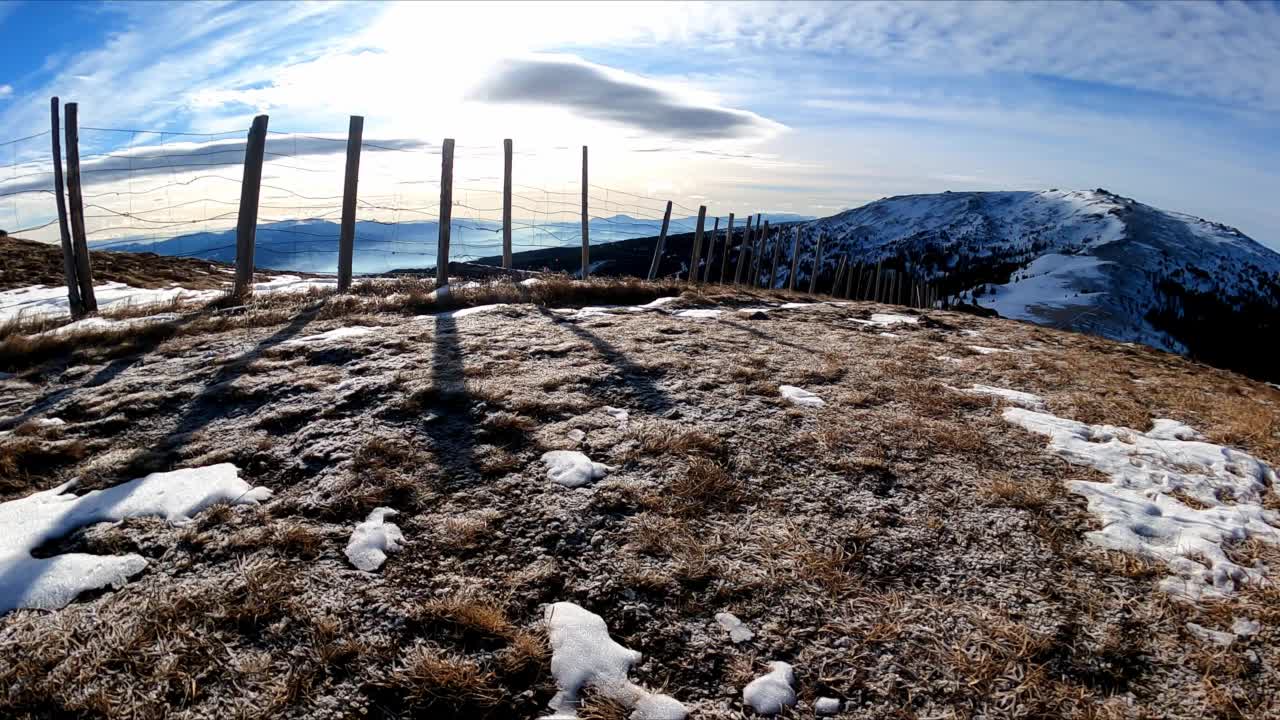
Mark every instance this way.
x=469 y=618
x=705 y=484
x=435 y=680
x=27 y=462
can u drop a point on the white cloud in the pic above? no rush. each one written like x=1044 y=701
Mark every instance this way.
x=6 y=92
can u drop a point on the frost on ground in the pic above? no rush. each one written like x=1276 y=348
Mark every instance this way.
x=1171 y=496
x=800 y=396
x=373 y=539
x=771 y=693
x=911 y=554
x=572 y=468
x=52 y=582
x=888 y=319
x=584 y=657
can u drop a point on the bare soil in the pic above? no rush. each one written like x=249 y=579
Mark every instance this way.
x=903 y=547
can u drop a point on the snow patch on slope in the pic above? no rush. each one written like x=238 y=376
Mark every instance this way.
x=1139 y=505
x=51 y=583
x=373 y=539
x=572 y=468
x=800 y=396
x=772 y=693
x=583 y=655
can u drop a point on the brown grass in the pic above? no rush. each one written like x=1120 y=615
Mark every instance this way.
x=26 y=462
x=705 y=484
x=437 y=680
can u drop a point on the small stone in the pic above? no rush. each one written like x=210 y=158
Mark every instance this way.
x=827 y=706
x=577 y=435
x=1244 y=627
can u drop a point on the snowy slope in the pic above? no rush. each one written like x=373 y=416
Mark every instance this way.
x=1086 y=260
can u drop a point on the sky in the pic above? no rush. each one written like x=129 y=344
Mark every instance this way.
x=808 y=108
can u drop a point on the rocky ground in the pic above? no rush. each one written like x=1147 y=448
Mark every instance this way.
x=906 y=549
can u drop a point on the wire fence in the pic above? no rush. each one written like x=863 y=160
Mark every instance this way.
x=178 y=193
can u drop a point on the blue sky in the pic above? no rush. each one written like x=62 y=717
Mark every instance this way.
x=800 y=107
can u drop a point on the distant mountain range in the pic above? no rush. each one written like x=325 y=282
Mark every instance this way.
x=1087 y=260
x=312 y=245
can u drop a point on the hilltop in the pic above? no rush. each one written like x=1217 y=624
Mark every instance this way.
x=925 y=513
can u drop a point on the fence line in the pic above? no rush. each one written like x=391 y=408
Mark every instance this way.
x=385 y=184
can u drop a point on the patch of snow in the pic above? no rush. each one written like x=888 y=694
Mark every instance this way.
x=711 y=313
x=888 y=319
x=473 y=310
x=983 y=350
x=888 y=334
x=971 y=333
x=800 y=396
x=334 y=335
x=738 y=632
x=50 y=583
x=530 y=282
x=577 y=435
x=100 y=323
x=660 y=302
x=618 y=414
x=49 y=422
x=1244 y=627
x=373 y=539
x=42 y=301
x=293 y=284
x=572 y=469
x=441 y=293
x=1204 y=634
x=772 y=693
x=1138 y=508
x=796 y=305
x=1027 y=400
x=583 y=655
x=1051 y=283
x=948 y=358
x=826 y=706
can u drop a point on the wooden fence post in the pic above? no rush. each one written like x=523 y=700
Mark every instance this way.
x=773 y=272
x=586 y=232
x=662 y=242
x=795 y=261
x=728 y=243
x=347 y=232
x=68 y=252
x=446 y=212
x=84 y=272
x=506 y=204
x=817 y=264
x=247 y=219
x=755 y=254
x=697 y=244
x=742 y=251
x=711 y=251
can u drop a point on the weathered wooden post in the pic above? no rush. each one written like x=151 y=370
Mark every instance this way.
x=247 y=220
x=68 y=251
x=817 y=264
x=84 y=273
x=728 y=243
x=697 y=244
x=835 y=282
x=773 y=271
x=711 y=251
x=586 y=220
x=347 y=231
x=795 y=261
x=757 y=253
x=662 y=242
x=446 y=213
x=742 y=252
x=506 y=204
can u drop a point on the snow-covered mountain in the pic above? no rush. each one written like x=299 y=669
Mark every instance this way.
x=1086 y=260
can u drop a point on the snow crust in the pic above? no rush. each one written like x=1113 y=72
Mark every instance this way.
x=800 y=396
x=572 y=468
x=1139 y=504
x=826 y=706
x=473 y=310
x=583 y=655
x=373 y=539
x=51 y=583
x=772 y=693
x=708 y=313
x=619 y=414
x=101 y=323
